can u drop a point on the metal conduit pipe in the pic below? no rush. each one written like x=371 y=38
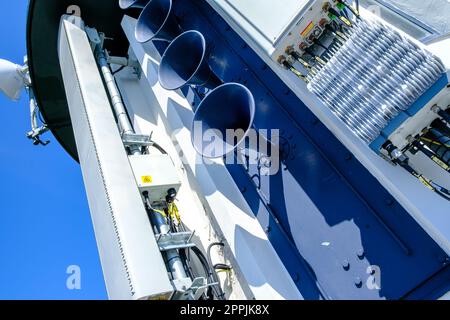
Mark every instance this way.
x=116 y=100
x=175 y=264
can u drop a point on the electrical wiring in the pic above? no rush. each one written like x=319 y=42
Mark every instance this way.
x=159 y=148
x=218 y=292
x=214 y=290
x=400 y=159
x=430 y=154
x=441 y=191
x=118 y=70
x=214 y=273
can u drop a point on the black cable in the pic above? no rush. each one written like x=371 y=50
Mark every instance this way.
x=221 y=266
x=214 y=273
x=159 y=148
x=441 y=126
x=40 y=117
x=208 y=270
x=403 y=161
x=430 y=154
x=441 y=191
x=118 y=70
x=439 y=143
x=185 y=260
x=317 y=42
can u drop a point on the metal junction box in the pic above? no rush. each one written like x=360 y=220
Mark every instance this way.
x=155 y=174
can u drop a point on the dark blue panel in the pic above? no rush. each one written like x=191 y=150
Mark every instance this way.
x=328 y=218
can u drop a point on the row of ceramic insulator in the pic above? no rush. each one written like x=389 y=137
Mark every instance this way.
x=373 y=76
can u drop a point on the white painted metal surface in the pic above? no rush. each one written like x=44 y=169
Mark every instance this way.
x=155 y=174
x=427 y=208
x=256 y=262
x=132 y=264
x=270 y=19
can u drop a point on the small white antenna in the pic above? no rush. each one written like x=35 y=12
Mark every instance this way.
x=13 y=79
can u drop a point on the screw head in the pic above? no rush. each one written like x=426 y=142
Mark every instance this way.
x=346 y=265
x=358 y=282
x=361 y=254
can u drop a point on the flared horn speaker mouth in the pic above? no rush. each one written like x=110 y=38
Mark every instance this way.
x=184 y=63
x=228 y=107
x=157 y=22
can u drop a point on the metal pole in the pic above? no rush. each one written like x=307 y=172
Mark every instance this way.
x=116 y=100
x=173 y=258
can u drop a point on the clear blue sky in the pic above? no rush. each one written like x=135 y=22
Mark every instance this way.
x=45 y=225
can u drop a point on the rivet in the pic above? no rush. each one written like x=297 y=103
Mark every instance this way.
x=244 y=190
x=349 y=157
x=268 y=229
x=346 y=265
x=358 y=282
x=389 y=202
x=361 y=254
x=296 y=277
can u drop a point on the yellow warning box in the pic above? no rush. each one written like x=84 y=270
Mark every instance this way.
x=147 y=179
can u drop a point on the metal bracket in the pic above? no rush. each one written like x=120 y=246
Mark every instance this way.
x=175 y=241
x=95 y=38
x=137 y=140
x=35 y=135
x=125 y=62
x=197 y=288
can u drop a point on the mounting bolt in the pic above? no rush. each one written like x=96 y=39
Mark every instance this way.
x=358 y=282
x=346 y=265
x=361 y=254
